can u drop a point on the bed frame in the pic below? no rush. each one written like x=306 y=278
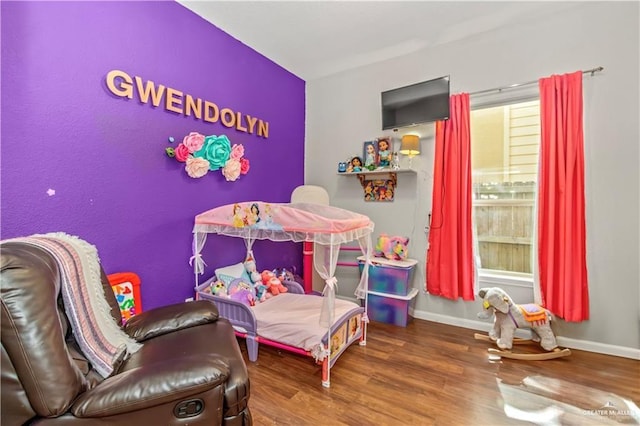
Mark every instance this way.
x=245 y=324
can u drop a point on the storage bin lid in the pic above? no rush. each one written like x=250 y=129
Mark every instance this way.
x=407 y=263
x=413 y=293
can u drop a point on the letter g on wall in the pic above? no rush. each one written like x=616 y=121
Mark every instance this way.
x=120 y=84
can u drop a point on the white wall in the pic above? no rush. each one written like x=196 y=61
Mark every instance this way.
x=343 y=110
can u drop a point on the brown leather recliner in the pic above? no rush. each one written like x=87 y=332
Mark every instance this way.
x=189 y=371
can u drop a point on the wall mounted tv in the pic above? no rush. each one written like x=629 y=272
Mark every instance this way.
x=418 y=103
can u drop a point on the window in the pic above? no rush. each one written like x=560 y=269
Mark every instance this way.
x=505 y=142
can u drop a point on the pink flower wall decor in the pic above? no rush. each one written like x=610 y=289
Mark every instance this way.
x=202 y=154
x=237 y=152
x=231 y=170
x=182 y=153
x=196 y=167
x=193 y=141
x=244 y=166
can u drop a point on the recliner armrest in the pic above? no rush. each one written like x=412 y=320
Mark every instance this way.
x=152 y=385
x=167 y=319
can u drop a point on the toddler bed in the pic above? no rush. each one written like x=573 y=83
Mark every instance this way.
x=318 y=326
x=291 y=321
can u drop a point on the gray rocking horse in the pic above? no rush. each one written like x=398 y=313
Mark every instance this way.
x=509 y=317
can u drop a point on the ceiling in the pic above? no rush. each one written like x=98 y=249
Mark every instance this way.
x=313 y=39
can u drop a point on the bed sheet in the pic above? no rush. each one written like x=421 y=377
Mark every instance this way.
x=294 y=319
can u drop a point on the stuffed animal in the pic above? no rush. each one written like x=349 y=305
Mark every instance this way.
x=262 y=292
x=509 y=316
x=219 y=289
x=394 y=248
x=244 y=296
x=272 y=282
x=283 y=274
x=239 y=284
x=250 y=266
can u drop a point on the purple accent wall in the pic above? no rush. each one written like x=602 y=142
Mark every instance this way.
x=104 y=156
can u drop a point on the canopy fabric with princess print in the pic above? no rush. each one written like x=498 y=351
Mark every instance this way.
x=299 y=222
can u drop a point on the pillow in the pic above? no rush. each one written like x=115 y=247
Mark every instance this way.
x=230 y=273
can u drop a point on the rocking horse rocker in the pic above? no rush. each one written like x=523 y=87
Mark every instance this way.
x=508 y=317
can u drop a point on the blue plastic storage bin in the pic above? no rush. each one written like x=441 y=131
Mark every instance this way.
x=390 y=309
x=390 y=276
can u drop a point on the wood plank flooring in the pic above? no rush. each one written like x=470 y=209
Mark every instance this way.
x=435 y=374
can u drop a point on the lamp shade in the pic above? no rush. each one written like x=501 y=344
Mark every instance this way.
x=410 y=145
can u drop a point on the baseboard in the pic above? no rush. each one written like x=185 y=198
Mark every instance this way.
x=601 y=348
x=583 y=345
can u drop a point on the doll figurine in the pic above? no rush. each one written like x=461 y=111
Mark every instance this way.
x=355 y=165
x=370 y=155
x=384 y=155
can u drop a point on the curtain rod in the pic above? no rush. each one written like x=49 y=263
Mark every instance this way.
x=513 y=86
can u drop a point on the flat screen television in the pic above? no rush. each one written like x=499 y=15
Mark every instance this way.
x=415 y=104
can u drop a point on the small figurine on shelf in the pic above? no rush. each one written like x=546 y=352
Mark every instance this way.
x=342 y=167
x=395 y=162
x=355 y=165
x=384 y=155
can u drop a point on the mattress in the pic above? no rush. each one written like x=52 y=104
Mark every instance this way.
x=294 y=319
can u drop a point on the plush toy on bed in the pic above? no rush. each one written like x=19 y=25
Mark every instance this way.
x=250 y=266
x=218 y=289
x=244 y=296
x=242 y=292
x=283 y=274
x=262 y=292
x=272 y=282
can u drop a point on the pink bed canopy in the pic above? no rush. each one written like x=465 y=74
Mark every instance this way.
x=328 y=226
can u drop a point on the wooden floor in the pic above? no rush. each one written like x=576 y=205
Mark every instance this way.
x=435 y=374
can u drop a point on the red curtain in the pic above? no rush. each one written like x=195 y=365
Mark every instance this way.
x=561 y=217
x=450 y=271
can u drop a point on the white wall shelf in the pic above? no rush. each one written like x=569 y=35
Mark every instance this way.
x=376 y=172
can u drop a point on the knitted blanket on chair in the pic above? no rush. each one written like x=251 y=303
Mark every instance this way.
x=100 y=338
